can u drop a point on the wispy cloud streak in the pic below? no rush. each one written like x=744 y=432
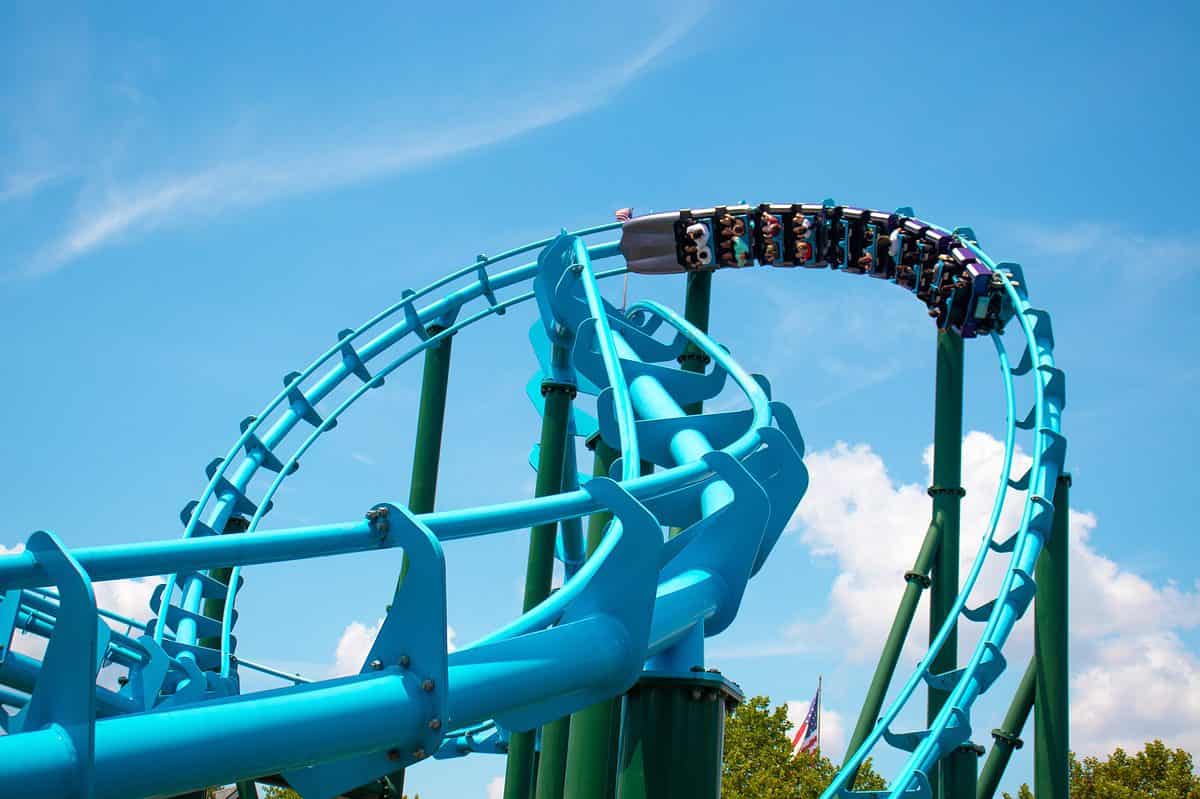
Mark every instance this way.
x=224 y=187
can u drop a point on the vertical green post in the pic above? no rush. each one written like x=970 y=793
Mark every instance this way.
x=672 y=736
x=696 y=306
x=916 y=581
x=431 y=421
x=1008 y=735
x=214 y=608
x=520 y=769
x=947 y=494
x=1051 y=742
x=427 y=455
x=595 y=730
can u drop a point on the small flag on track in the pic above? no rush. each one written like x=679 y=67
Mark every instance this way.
x=807 y=737
x=624 y=214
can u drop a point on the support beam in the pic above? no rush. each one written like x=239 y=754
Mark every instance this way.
x=1008 y=735
x=592 y=752
x=672 y=736
x=1051 y=767
x=696 y=306
x=427 y=455
x=520 y=769
x=917 y=581
x=947 y=494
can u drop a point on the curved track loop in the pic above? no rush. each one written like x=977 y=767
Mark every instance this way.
x=730 y=479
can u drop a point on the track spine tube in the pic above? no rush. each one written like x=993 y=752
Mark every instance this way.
x=947 y=499
x=917 y=581
x=1008 y=735
x=595 y=731
x=1051 y=721
x=520 y=769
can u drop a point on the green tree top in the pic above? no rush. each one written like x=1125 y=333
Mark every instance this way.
x=759 y=763
x=1156 y=772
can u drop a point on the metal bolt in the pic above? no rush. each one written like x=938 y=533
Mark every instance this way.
x=393 y=754
x=419 y=754
x=427 y=686
x=435 y=724
x=122 y=680
x=377 y=664
x=378 y=517
x=405 y=660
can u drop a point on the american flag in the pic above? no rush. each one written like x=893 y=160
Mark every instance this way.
x=808 y=733
x=624 y=214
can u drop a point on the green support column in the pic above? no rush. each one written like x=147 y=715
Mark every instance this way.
x=1008 y=735
x=214 y=608
x=917 y=581
x=697 y=303
x=1051 y=741
x=520 y=770
x=431 y=421
x=672 y=736
x=427 y=455
x=592 y=751
x=947 y=496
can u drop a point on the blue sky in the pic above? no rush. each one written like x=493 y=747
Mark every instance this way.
x=192 y=204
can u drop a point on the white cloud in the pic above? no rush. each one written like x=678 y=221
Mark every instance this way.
x=229 y=186
x=495 y=788
x=1130 y=251
x=356 y=640
x=1133 y=677
x=363 y=458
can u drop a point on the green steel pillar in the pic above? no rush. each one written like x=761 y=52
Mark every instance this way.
x=214 y=608
x=947 y=494
x=960 y=775
x=427 y=454
x=917 y=581
x=672 y=735
x=592 y=751
x=695 y=310
x=431 y=420
x=1008 y=735
x=1051 y=740
x=520 y=769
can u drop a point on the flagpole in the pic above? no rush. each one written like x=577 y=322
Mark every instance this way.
x=819 y=677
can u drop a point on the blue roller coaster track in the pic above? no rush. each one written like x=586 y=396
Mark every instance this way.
x=728 y=480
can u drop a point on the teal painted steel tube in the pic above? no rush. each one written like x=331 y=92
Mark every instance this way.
x=947 y=495
x=519 y=771
x=592 y=750
x=1051 y=740
x=916 y=581
x=1007 y=736
x=258 y=734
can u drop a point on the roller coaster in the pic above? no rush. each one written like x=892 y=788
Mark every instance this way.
x=684 y=505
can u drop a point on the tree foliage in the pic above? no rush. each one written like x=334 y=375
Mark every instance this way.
x=759 y=764
x=275 y=792
x=1156 y=772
